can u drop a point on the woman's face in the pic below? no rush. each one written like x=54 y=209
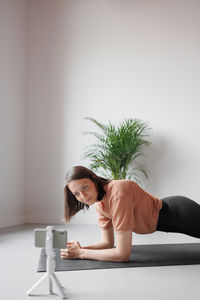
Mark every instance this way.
x=84 y=190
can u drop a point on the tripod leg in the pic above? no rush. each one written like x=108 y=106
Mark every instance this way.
x=59 y=287
x=50 y=285
x=36 y=284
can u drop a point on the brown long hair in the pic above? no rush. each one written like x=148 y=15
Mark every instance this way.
x=72 y=205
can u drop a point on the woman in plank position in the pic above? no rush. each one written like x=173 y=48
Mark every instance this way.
x=124 y=207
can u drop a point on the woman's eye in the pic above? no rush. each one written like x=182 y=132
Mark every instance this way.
x=85 y=188
x=76 y=194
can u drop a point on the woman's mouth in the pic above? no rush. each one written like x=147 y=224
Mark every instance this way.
x=88 y=200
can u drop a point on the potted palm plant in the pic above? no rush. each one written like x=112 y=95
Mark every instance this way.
x=117 y=148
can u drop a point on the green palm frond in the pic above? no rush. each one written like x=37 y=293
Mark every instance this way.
x=117 y=147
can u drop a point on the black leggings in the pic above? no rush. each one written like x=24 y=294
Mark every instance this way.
x=179 y=214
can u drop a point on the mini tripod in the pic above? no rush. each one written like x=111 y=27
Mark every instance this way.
x=50 y=263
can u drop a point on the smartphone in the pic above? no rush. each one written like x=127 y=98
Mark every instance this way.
x=59 y=238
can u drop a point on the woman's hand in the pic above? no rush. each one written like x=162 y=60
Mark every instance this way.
x=72 y=251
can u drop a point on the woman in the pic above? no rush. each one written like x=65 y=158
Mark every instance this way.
x=124 y=207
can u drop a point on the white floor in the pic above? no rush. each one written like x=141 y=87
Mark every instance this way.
x=19 y=259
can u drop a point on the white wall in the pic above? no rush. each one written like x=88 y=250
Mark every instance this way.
x=138 y=59
x=121 y=59
x=13 y=14
x=110 y=60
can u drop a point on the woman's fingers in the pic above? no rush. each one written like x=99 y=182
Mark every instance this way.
x=71 y=251
x=66 y=253
x=69 y=246
x=63 y=251
x=70 y=243
x=73 y=243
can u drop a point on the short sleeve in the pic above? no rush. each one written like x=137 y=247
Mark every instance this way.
x=104 y=222
x=122 y=212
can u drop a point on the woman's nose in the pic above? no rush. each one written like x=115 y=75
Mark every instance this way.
x=82 y=196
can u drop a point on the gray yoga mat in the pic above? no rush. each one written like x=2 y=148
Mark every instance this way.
x=141 y=256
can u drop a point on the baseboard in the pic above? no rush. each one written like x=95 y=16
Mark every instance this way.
x=11 y=220
x=43 y=219
x=81 y=218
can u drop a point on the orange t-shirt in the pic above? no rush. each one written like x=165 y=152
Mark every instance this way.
x=127 y=206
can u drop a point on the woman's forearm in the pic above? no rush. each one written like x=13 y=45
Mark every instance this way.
x=103 y=255
x=99 y=245
x=103 y=250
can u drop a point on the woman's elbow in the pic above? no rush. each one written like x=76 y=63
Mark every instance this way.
x=124 y=258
